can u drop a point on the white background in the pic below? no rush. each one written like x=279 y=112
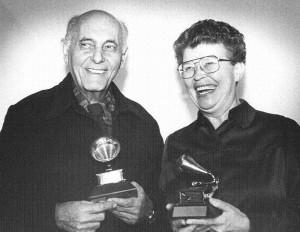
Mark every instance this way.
x=31 y=54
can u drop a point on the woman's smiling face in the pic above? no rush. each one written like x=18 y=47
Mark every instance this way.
x=213 y=93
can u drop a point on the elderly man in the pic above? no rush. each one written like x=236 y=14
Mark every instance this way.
x=47 y=171
x=256 y=155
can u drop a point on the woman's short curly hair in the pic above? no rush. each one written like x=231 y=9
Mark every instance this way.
x=210 y=31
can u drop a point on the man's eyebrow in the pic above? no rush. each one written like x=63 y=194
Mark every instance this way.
x=111 y=41
x=85 y=39
x=89 y=39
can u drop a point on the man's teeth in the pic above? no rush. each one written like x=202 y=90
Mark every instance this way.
x=97 y=71
x=206 y=89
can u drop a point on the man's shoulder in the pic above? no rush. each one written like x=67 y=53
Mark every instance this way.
x=31 y=110
x=36 y=101
x=37 y=106
x=42 y=100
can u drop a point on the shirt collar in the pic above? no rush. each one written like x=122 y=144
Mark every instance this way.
x=64 y=99
x=243 y=114
x=108 y=101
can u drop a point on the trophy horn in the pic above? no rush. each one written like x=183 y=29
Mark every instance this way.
x=186 y=163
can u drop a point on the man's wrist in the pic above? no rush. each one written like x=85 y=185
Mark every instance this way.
x=151 y=215
x=151 y=218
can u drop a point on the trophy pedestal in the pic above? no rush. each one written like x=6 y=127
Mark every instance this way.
x=204 y=210
x=122 y=189
x=112 y=185
x=194 y=203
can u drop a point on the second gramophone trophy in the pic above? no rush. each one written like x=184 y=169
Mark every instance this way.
x=110 y=183
x=194 y=200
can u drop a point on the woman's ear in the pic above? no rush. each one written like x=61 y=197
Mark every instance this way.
x=239 y=70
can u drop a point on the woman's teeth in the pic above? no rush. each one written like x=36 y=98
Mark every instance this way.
x=205 y=89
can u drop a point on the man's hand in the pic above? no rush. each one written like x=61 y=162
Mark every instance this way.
x=134 y=209
x=83 y=216
x=232 y=219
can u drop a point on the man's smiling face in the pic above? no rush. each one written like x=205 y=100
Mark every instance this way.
x=95 y=55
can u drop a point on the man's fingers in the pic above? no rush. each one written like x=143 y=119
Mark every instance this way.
x=139 y=188
x=135 y=184
x=125 y=215
x=102 y=206
x=123 y=202
x=96 y=217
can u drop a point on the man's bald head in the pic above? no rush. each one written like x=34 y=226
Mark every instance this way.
x=76 y=22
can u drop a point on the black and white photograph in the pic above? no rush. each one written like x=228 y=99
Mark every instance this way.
x=150 y=116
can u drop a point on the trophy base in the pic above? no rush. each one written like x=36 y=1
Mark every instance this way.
x=122 y=189
x=205 y=210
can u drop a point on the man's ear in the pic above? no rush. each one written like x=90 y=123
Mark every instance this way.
x=239 y=70
x=65 y=47
x=124 y=56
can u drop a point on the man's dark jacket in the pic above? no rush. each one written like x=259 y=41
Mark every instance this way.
x=45 y=157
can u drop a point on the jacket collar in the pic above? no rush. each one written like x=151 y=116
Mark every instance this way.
x=123 y=104
x=243 y=114
x=64 y=99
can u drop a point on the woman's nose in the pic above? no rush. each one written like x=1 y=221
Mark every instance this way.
x=198 y=73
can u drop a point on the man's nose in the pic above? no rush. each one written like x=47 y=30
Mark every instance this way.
x=97 y=56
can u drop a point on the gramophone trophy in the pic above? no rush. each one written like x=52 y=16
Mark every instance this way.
x=110 y=183
x=193 y=201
